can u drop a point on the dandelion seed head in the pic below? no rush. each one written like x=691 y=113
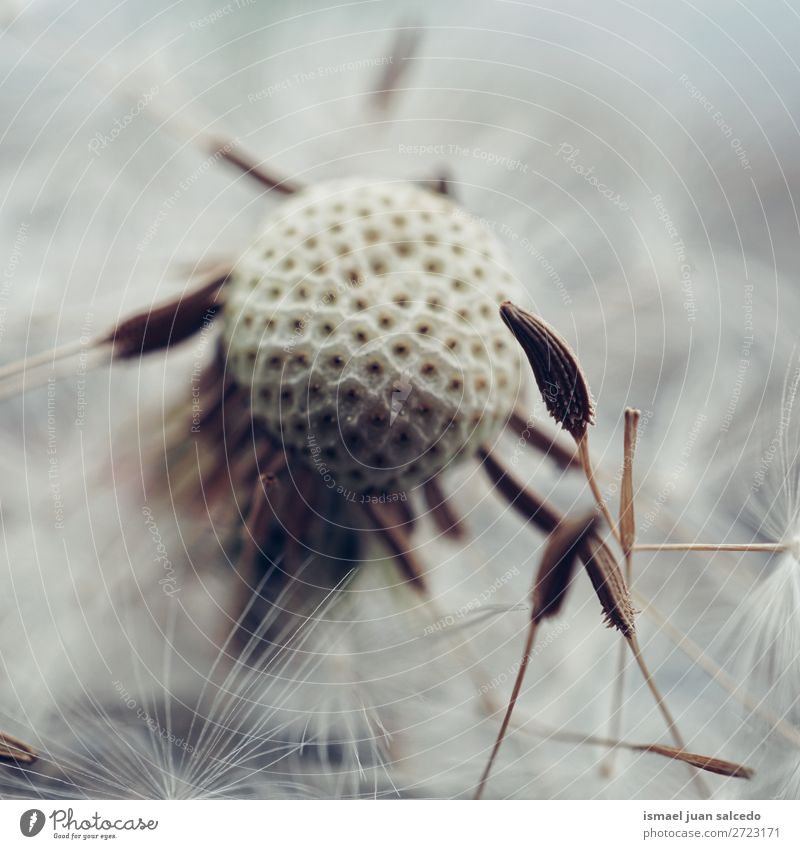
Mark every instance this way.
x=364 y=321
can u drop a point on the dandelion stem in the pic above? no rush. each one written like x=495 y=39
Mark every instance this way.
x=44 y=358
x=697 y=546
x=526 y=655
x=627 y=533
x=675 y=733
x=586 y=462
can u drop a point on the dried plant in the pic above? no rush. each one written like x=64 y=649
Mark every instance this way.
x=307 y=453
x=627 y=538
x=562 y=383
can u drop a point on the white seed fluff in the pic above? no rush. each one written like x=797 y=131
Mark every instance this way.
x=365 y=321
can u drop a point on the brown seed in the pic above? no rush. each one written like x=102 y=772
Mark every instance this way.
x=558 y=563
x=558 y=374
x=609 y=584
x=165 y=325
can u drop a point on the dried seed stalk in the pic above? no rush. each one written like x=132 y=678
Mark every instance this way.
x=232 y=153
x=604 y=573
x=150 y=330
x=549 y=590
x=767 y=547
x=405 y=48
x=715 y=765
x=627 y=520
x=627 y=535
x=562 y=383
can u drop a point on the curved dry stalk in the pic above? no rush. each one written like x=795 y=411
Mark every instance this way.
x=588 y=469
x=602 y=569
x=549 y=591
x=523 y=666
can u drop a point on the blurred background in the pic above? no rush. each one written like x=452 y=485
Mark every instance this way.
x=640 y=163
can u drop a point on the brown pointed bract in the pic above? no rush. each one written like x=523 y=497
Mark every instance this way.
x=558 y=565
x=173 y=321
x=558 y=374
x=609 y=585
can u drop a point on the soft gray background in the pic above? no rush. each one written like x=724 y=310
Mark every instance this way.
x=695 y=103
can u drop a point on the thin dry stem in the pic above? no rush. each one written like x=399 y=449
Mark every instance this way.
x=405 y=47
x=675 y=733
x=698 y=546
x=523 y=665
x=704 y=762
x=586 y=462
x=627 y=534
x=627 y=518
x=549 y=591
x=232 y=152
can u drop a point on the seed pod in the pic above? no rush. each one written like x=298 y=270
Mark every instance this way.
x=555 y=366
x=558 y=563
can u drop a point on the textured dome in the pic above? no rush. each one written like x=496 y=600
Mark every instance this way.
x=365 y=320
